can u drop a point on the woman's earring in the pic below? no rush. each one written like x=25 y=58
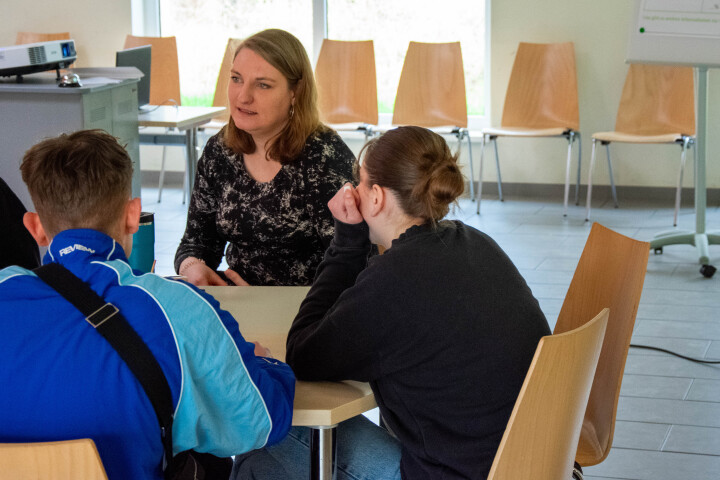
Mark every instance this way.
x=292 y=110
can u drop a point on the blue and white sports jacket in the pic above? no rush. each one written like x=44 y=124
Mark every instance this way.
x=61 y=380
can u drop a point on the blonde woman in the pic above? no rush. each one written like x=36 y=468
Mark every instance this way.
x=264 y=181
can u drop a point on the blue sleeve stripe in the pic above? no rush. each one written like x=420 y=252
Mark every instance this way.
x=14 y=271
x=172 y=329
x=214 y=407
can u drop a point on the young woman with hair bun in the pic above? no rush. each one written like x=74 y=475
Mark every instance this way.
x=442 y=324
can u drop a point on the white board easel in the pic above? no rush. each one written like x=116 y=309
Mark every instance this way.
x=683 y=32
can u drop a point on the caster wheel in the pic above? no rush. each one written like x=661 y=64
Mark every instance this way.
x=708 y=271
x=658 y=251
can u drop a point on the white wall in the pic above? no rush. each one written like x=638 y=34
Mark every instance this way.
x=599 y=30
x=97 y=26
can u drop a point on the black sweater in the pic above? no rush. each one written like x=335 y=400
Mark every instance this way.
x=443 y=327
x=276 y=231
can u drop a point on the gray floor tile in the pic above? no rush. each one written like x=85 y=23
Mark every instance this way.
x=704 y=390
x=701 y=440
x=640 y=435
x=690 y=313
x=689 y=347
x=713 y=352
x=549 y=291
x=669 y=366
x=677 y=328
x=648 y=465
x=650 y=386
x=658 y=296
x=681 y=412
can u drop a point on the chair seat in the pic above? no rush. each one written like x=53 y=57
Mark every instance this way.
x=349 y=127
x=525 y=132
x=631 y=138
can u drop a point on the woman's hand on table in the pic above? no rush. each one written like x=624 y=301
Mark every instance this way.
x=200 y=274
x=261 y=351
x=235 y=278
x=344 y=205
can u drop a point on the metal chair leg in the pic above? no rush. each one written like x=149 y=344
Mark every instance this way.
x=461 y=133
x=577 y=184
x=480 y=173
x=678 y=191
x=162 y=174
x=588 y=201
x=497 y=165
x=571 y=140
x=612 y=177
x=472 y=174
x=577 y=473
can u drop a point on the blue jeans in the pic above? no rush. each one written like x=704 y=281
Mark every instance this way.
x=364 y=452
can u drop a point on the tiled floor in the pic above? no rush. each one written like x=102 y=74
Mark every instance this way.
x=668 y=421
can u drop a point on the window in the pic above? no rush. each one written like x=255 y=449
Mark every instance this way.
x=202 y=28
x=393 y=24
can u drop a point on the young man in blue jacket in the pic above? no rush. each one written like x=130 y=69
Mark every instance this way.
x=62 y=380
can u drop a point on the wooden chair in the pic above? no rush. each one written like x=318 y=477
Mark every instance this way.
x=164 y=82
x=610 y=274
x=657 y=106
x=541 y=437
x=23 y=38
x=347 y=85
x=220 y=99
x=76 y=459
x=541 y=101
x=431 y=92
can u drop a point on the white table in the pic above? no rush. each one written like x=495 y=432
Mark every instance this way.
x=265 y=314
x=185 y=119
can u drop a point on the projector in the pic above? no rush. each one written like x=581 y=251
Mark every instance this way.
x=36 y=57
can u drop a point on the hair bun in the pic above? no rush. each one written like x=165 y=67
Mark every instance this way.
x=442 y=184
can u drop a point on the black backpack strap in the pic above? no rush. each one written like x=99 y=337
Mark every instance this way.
x=112 y=325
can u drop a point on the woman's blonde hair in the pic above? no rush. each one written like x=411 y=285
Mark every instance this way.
x=417 y=165
x=284 y=52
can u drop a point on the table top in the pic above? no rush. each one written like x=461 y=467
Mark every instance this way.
x=46 y=83
x=265 y=314
x=180 y=117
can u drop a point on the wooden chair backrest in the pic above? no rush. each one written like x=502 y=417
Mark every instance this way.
x=610 y=274
x=542 y=91
x=23 y=38
x=346 y=82
x=76 y=459
x=656 y=100
x=431 y=92
x=164 y=70
x=542 y=434
x=220 y=99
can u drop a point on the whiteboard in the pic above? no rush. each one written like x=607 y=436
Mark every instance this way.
x=675 y=32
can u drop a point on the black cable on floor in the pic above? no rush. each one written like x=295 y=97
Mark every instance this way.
x=696 y=360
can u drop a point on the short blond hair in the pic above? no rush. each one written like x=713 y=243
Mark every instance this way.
x=78 y=180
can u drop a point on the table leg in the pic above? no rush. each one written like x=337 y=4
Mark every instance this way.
x=191 y=157
x=322 y=453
